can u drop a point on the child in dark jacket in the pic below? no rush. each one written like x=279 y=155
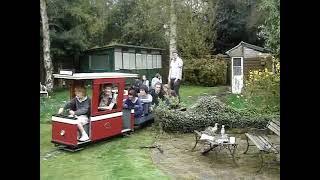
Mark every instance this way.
x=133 y=102
x=79 y=107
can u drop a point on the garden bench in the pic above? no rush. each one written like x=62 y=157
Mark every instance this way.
x=43 y=90
x=262 y=142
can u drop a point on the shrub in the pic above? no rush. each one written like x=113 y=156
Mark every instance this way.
x=262 y=90
x=206 y=112
x=205 y=72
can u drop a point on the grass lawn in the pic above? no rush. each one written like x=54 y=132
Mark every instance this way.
x=257 y=104
x=117 y=158
x=236 y=101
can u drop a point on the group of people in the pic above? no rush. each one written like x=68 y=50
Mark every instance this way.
x=140 y=95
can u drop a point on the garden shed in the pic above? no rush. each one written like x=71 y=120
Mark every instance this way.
x=245 y=57
x=122 y=58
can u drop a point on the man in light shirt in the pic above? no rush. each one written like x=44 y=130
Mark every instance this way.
x=175 y=72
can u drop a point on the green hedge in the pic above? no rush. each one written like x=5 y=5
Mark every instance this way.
x=205 y=72
x=206 y=112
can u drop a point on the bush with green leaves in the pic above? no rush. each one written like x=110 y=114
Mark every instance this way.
x=262 y=88
x=207 y=111
x=205 y=71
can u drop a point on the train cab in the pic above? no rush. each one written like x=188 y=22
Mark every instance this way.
x=107 y=117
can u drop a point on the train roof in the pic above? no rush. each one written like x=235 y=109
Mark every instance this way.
x=78 y=76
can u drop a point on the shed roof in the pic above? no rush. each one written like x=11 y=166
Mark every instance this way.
x=77 y=76
x=122 y=45
x=251 y=46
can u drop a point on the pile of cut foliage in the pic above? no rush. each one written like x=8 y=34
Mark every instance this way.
x=207 y=111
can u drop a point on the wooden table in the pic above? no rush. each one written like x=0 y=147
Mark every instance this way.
x=221 y=145
x=215 y=144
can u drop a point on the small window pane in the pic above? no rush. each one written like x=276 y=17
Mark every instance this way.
x=99 y=62
x=236 y=61
x=118 y=60
x=237 y=70
x=126 y=64
x=144 y=61
x=139 y=61
x=154 y=61
x=108 y=97
x=159 y=61
x=149 y=61
x=132 y=60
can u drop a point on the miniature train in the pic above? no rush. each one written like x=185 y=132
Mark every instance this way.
x=102 y=124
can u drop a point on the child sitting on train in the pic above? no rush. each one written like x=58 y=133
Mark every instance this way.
x=108 y=100
x=144 y=95
x=136 y=85
x=146 y=99
x=79 y=107
x=115 y=92
x=157 y=93
x=133 y=102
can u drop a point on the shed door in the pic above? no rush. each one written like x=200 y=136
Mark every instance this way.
x=237 y=74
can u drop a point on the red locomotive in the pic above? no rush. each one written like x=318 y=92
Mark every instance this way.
x=102 y=124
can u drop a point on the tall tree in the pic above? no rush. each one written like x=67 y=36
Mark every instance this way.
x=172 y=33
x=270 y=30
x=173 y=28
x=146 y=24
x=193 y=28
x=76 y=25
x=235 y=21
x=46 y=45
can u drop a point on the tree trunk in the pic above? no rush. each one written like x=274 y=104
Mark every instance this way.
x=46 y=46
x=173 y=30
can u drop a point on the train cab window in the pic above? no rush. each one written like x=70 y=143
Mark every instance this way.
x=108 y=97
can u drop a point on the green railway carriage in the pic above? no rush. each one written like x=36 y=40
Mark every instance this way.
x=123 y=58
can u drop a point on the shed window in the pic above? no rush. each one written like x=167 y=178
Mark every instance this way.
x=237 y=62
x=118 y=60
x=149 y=61
x=99 y=61
x=139 y=61
x=144 y=61
x=237 y=66
x=132 y=60
x=159 y=61
x=126 y=64
x=154 y=61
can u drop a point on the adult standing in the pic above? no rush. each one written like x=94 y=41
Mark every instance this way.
x=175 y=72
